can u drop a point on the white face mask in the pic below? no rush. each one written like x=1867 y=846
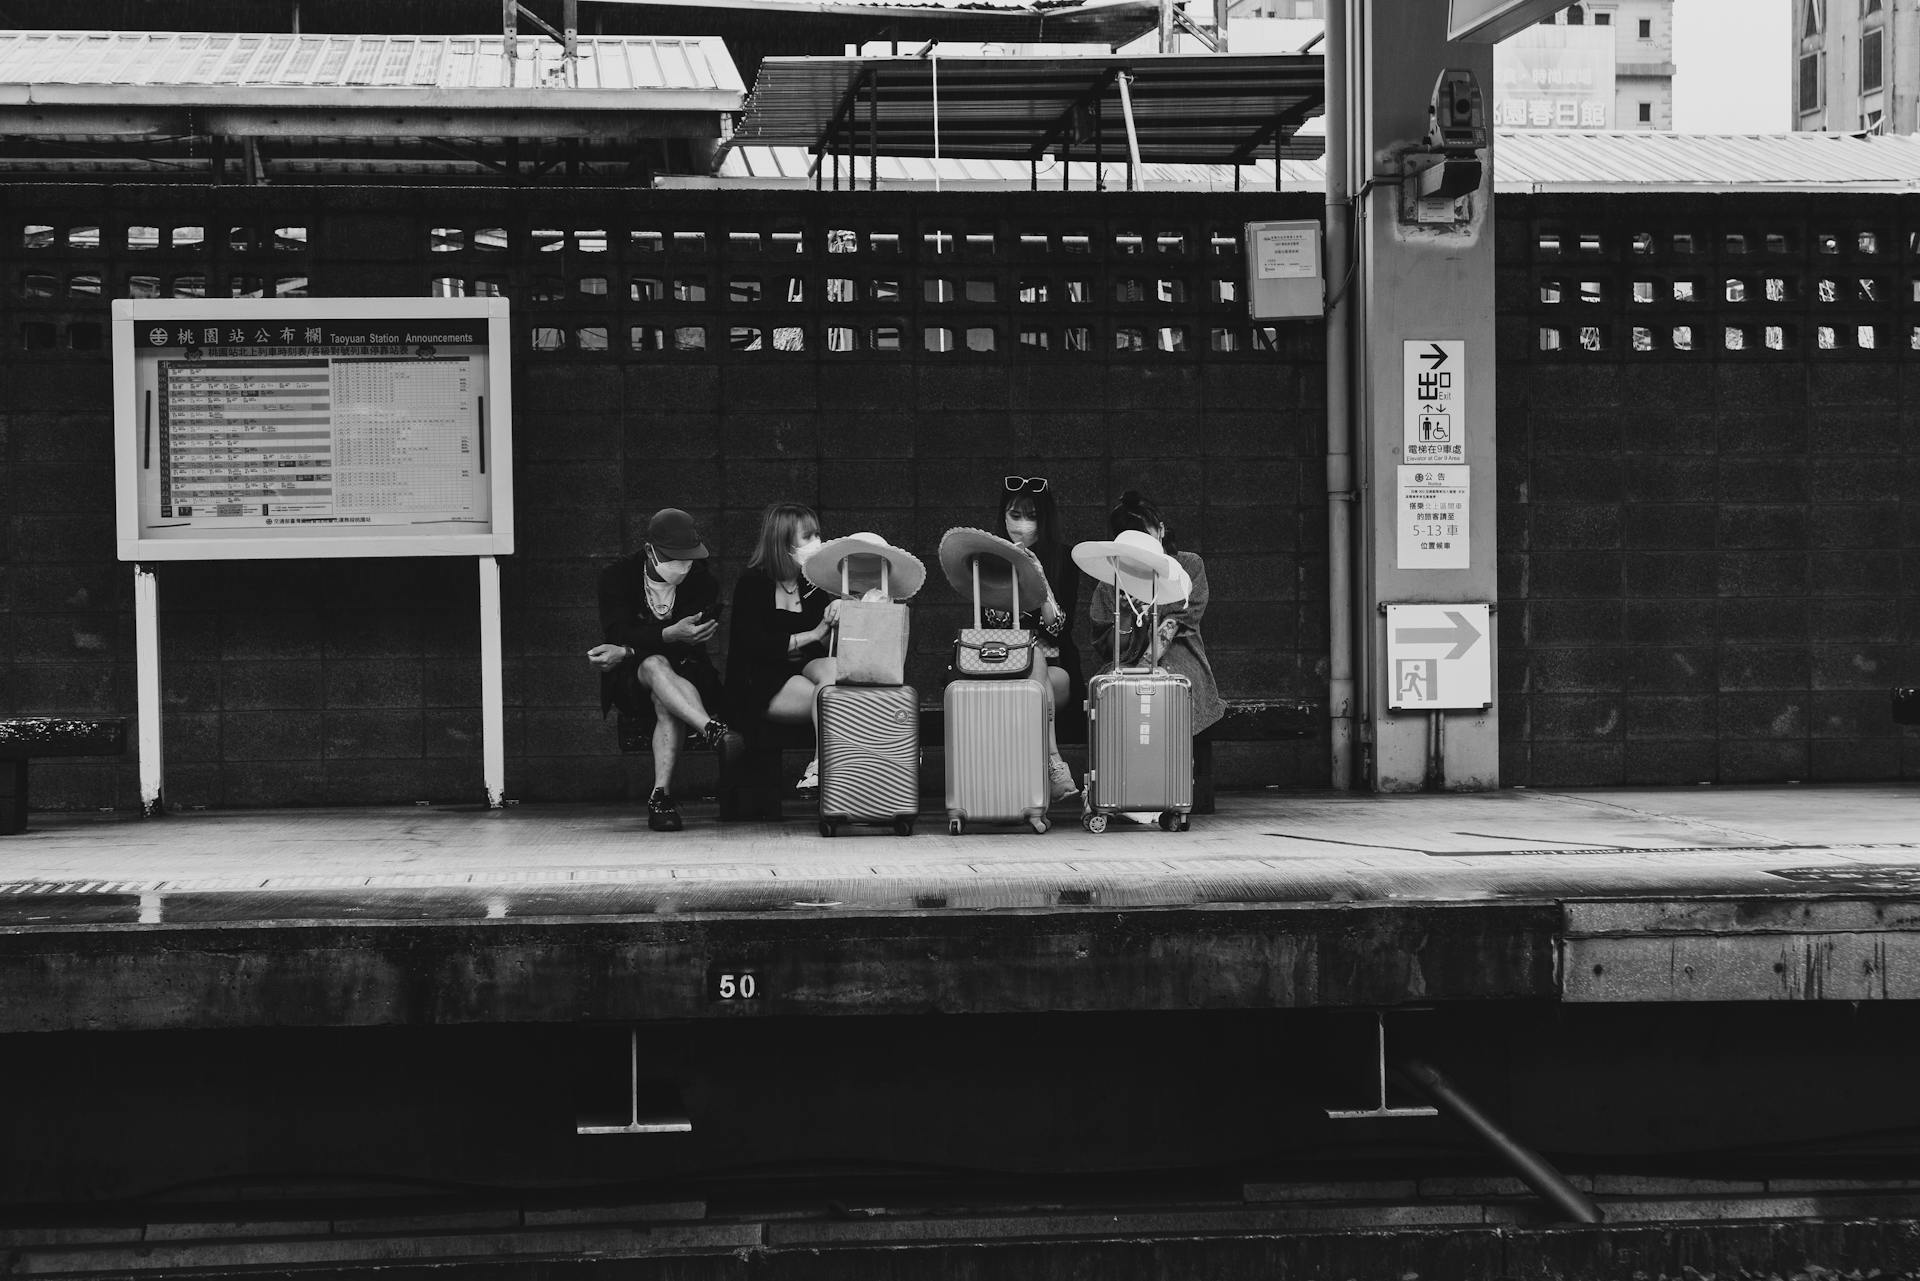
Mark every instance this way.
x=673 y=572
x=1023 y=530
x=803 y=551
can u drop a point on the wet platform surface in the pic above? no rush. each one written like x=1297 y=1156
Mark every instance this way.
x=420 y=914
x=545 y=861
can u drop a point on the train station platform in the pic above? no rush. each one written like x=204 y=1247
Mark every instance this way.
x=431 y=915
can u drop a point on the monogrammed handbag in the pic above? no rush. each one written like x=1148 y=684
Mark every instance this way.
x=982 y=653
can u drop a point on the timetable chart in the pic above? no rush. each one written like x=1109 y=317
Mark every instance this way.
x=256 y=439
x=245 y=438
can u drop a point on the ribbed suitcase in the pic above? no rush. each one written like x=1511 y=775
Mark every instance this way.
x=996 y=744
x=869 y=738
x=1139 y=747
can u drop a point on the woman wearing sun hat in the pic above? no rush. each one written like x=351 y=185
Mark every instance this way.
x=1182 y=651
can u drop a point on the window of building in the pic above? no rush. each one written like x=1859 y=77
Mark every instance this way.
x=1602 y=19
x=1813 y=20
x=1872 y=121
x=1646 y=28
x=1871 y=43
x=1869 y=6
x=1810 y=82
x=1576 y=16
x=1646 y=113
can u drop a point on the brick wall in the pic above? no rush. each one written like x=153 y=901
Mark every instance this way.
x=1708 y=452
x=700 y=349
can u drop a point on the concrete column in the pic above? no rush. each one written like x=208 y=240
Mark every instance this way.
x=1432 y=282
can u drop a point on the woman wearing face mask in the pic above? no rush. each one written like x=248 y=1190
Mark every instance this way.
x=777 y=643
x=658 y=609
x=1025 y=513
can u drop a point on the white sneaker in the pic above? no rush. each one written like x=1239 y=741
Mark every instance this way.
x=810 y=779
x=1061 y=775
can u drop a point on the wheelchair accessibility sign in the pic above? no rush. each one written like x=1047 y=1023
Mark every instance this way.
x=1439 y=657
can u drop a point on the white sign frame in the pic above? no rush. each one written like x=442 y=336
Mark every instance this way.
x=1423 y=674
x=1433 y=399
x=494 y=538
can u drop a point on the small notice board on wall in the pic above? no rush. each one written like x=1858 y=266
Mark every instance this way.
x=269 y=429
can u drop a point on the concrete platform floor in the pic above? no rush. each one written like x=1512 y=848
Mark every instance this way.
x=1270 y=847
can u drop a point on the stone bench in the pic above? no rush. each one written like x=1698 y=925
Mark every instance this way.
x=25 y=739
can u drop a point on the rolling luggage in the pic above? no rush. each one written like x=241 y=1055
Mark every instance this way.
x=869 y=737
x=1139 y=740
x=996 y=732
x=997 y=754
x=1139 y=747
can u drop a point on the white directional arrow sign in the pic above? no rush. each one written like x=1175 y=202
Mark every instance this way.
x=1433 y=398
x=1439 y=657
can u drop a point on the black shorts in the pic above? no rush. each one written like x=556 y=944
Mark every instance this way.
x=630 y=696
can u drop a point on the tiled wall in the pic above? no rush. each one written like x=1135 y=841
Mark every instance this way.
x=1709 y=451
x=884 y=358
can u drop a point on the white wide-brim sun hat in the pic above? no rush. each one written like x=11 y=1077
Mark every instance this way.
x=1003 y=563
x=863 y=554
x=1133 y=558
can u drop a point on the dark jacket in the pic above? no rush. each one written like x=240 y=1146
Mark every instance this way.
x=758 y=662
x=626 y=619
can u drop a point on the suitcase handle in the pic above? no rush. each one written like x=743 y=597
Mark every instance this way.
x=978 y=621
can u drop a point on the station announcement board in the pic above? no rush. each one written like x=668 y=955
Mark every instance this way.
x=284 y=428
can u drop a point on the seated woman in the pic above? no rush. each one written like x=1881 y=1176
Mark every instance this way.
x=1025 y=513
x=1181 y=649
x=777 y=641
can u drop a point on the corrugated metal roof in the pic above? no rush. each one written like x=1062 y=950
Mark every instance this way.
x=1529 y=160
x=1207 y=108
x=1525 y=161
x=183 y=62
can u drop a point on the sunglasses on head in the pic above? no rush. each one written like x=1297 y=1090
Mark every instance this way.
x=1028 y=484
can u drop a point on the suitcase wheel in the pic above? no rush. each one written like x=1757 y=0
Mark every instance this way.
x=956 y=826
x=1041 y=824
x=827 y=828
x=1169 y=821
x=1095 y=823
x=903 y=827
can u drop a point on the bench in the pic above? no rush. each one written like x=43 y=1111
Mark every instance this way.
x=754 y=787
x=25 y=739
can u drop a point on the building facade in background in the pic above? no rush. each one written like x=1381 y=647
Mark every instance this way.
x=1853 y=72
x=1554 y=77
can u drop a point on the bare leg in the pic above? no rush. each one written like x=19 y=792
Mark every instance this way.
x=673 y=693
x=793 y=703
x=668 y=734
x=1057 y=684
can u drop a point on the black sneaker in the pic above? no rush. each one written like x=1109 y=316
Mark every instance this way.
x=726 y=743
x=662 y=814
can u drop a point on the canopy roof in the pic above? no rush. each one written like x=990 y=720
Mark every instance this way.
x=1214 y=108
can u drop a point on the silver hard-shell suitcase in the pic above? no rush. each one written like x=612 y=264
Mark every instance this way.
x=996 y=741
x=869 y=739
x=996 y=745
x=1139 y=740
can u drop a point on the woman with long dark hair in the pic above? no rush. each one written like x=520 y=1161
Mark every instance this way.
x=777 y=646
x=1026 y=512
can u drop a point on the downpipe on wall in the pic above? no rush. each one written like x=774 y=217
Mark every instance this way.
x=1341 y=712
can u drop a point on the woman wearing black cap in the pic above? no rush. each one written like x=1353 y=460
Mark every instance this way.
x=658 y=609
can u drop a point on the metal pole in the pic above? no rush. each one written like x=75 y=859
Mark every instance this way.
x=1133 y=139
x=146 y=671
x=493 y=703
x=510 y=36
x=1340 y=496
x=1532 y=1168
